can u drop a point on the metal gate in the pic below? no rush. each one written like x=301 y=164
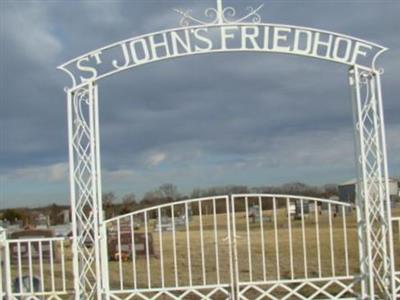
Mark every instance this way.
x=253 y=246
x=226 y=247
x=94 y=275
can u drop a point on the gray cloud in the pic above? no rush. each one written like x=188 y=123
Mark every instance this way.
x=196 y=121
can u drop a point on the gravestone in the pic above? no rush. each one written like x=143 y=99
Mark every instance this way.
x=165 y=224
x=126 y=250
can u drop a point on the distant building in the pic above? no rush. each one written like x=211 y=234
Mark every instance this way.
x=63 y=217
x=42 y=221
x=347 y=190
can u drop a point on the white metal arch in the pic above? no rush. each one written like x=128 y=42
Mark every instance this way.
x=94 y=56
x=373 y=203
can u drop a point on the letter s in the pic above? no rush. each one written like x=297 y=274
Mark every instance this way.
x=86 y=69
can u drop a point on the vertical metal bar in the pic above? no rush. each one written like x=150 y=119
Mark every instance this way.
x=41 y=266
x=7 y=266
x=97 y=151
x=19 y=266
x=2 y=260
x=146 y=232
x=317 y=239
x=53 y=286
x=121 y=276
x=103 y=284
x=30 y=266
x=75 y=258
x=233 y=255
x=2 y=238
x=95 y=196
x=104 y=259
x=388 y=214
x=161 y=248
x=64 y=287
x=216 y=241
x=398 y=223
x=382 y=181
x=278 y=271
x=248 y=239
x=262 y=238
x=203 y=267
x=174 y=245
x=354 y=81
x=134 y=271
x=220 y=12
x=189 y=258
x=290 y=238
x=303 y=234
x=331 y=240
x=346 y=251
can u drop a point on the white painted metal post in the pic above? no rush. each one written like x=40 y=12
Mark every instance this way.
x=2 y=262
x=359 y=201
x=85 y=190
x=373 y=203
x=7 y=267
x=75 y=256
x=386 y=205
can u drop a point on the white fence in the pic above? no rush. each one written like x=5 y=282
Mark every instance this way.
x=37 y=268
x=248 y=246
x=252 y=246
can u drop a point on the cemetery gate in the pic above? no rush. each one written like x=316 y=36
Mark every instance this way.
x=252 y=246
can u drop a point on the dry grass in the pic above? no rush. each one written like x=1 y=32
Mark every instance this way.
x=210 y=253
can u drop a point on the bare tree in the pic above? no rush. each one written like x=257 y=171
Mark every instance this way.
x=169 y=192
x=128 y=203
x=108 y=200
x=330 y=189
x=151 y=197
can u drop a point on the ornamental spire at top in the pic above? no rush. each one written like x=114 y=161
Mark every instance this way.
x=220 y=12
x=219 y=15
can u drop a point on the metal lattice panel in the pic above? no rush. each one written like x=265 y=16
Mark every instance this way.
x=84 y=175
x=302 y=290
x=373 y=197
x=218 y=293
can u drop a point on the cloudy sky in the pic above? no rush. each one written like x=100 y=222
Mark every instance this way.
x=199 y=121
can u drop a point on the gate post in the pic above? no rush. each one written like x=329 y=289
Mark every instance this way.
x=85 y=190
x=372 y=197
x=3 y=266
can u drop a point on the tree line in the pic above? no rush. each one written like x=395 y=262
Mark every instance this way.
x=166 y=193
x=169 y=192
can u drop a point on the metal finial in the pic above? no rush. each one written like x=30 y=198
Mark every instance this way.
x=220 y=12
x=219 y=15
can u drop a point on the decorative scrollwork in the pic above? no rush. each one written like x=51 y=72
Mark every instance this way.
x=253 y=15
x=81 y=98
x=187 y=18
x=365 y=84
x=219 y=16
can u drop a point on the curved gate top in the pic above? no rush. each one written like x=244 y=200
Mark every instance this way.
x=221 y=32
